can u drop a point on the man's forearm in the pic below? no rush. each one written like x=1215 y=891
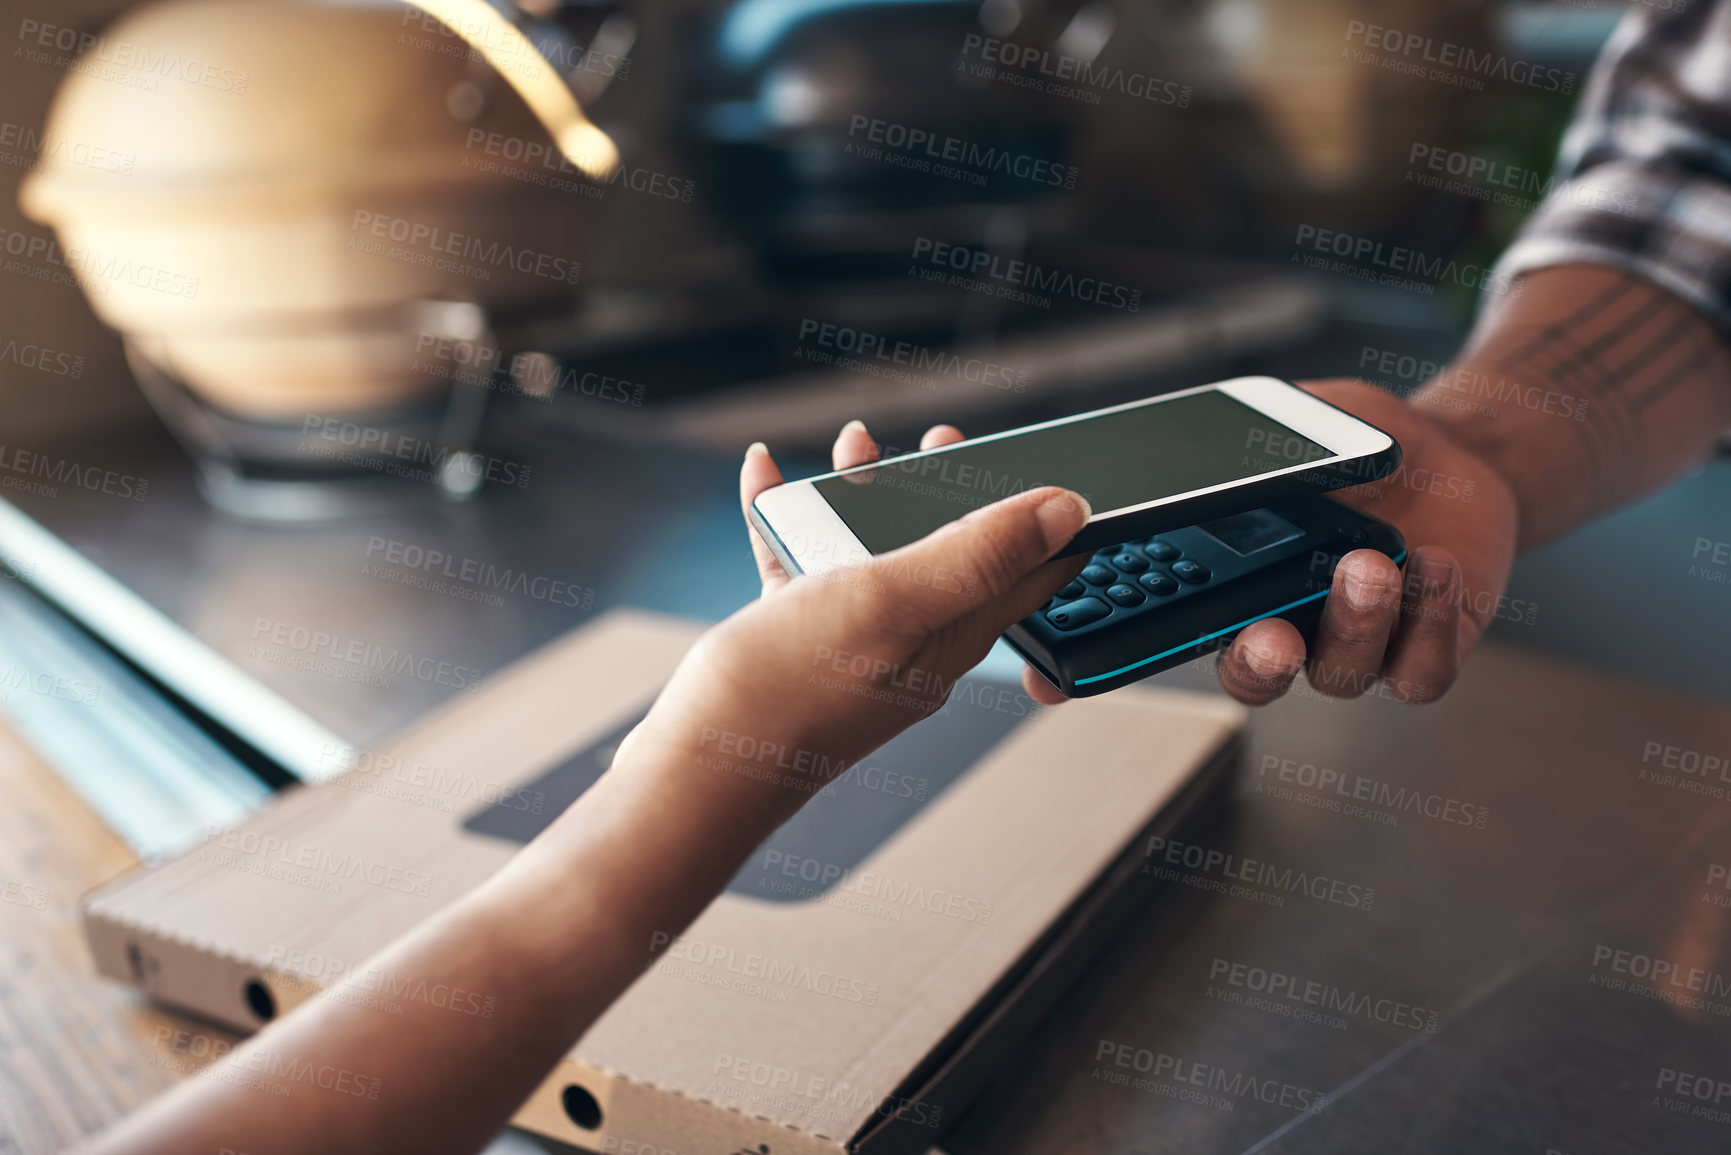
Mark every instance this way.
x=1590 y=389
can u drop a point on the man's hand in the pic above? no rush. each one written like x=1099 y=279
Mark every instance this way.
x=1460 y=521
x=1606 y=388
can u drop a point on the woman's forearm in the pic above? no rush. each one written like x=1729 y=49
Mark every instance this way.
x=541 y=949
x=763 y=712
x=1588 y=390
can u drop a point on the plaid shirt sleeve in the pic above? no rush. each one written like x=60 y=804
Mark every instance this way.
x=1643 y=181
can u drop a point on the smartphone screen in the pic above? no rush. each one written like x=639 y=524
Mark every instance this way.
x=1115 y=460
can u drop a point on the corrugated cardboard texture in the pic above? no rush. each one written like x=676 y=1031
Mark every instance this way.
x=769 y=1020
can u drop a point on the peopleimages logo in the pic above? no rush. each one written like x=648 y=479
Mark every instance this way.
x=1718 y=892
x=1387 y=263
x=23 y=894
x=16 y=679
x=1662 y=971
x=790 y=974
x=876 y=355
x=1680 y=1087
x=1292 y=996
x=513 y=53
x=1498 y=182
x=940 y=477
x=1358 y=796
x=1710 y=561
x=35 y=146
x=538 y=162
x=315 y=859
x=1017 y=279
x=46 y=473
x=122 y=61
x=99 y=271
x=41 y=359
x=318 y=648
x=810 y=1095
x=806 y=878
x=1057 y=74
x=325 y=973
x=1470 y=390
x=1158 y=1067
x=922 y=150
x=362 y=445
x=255 y=1068
x=1416 y=54
x=433 y=246
x=1261 y=881
x=1657 y=756
x=475 y=572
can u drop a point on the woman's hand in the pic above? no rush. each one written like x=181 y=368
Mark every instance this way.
x=767 y=708
x=824 y=669
x=1460 y=521
x=853 y=446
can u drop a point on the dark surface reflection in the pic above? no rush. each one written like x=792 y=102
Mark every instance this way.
x=368 y=623
x=1509 y=933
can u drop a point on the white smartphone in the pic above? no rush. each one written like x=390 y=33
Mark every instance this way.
x=1145 y=467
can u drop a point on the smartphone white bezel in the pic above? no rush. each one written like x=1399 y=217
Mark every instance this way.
x=806 y=530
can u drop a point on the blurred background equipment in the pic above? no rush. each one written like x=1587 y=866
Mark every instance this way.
x=289 y=233
x=356 y=184
x=833 y=131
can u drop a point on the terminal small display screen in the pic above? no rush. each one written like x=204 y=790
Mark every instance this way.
x=1252 y=532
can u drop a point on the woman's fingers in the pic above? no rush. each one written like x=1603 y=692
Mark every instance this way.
x=994 y=555
x=758 y=473
x=1036 y=686
x=940 y=435
x=983 y=562
x=853 y=446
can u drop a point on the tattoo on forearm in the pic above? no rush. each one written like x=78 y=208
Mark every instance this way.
x=1625 y=350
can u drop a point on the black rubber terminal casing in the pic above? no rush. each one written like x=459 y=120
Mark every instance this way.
x=1147 y=605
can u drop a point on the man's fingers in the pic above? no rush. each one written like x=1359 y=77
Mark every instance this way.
x=853 y=446
x=1357 y=619
x=981 y=559
x=940 y=435
x=758 y=473
x=1262 y=661
x=1425 y=657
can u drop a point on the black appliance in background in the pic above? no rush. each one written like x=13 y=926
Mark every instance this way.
x=837 y=146
x=831 y=133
